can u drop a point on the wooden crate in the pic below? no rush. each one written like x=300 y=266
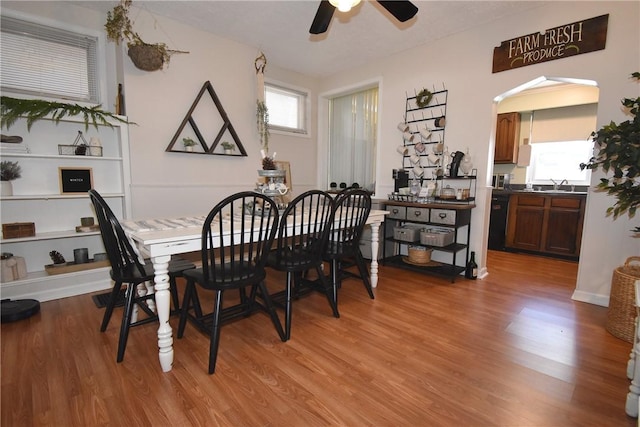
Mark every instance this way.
x=70 y=267
x=18 y=229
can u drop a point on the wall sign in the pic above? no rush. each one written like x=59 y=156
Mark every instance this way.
x=555 y=43
x=75 y=180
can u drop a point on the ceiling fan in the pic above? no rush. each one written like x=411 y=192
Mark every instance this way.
x=402 y=10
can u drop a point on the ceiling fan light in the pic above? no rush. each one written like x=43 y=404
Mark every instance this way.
x=344 y=5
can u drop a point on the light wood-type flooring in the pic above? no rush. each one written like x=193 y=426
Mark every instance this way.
x=510 y=350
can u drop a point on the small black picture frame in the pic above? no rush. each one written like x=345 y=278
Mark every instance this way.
x=75 y=180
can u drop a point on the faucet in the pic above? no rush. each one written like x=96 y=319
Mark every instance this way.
x=557 y=186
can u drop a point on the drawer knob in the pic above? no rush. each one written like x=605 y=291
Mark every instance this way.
x=442 y=215
x=417 y=213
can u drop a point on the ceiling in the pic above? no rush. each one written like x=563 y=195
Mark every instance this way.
x=281 y=28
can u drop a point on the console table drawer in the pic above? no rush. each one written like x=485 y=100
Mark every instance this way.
x=397 y=212
x=443 y=216
x=418 y=214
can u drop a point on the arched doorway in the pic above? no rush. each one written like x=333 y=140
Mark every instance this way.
x=544 y=95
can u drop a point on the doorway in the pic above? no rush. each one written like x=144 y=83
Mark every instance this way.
x=545 y=96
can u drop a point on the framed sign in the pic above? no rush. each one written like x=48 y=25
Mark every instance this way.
x=75 y=180
x=287 y=167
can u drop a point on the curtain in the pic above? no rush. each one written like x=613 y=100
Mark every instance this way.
x=353 y=122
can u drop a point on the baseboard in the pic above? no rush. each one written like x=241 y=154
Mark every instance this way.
x=46 y=288
x=591 y=298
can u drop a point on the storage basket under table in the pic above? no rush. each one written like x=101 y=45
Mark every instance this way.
x=407 y=233
x=437 y=236
x=621 y=314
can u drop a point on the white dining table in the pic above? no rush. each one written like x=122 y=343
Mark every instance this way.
x=159 y=239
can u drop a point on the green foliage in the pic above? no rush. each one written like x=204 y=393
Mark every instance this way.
x=188 y=142
x=11 y=109
x=9 y=170
x=228 y=145
x=423 y=98
x=262 y=121
x=119 y=28
x=618 y=146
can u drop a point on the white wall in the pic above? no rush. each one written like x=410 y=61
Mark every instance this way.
x=157 y=101
x=463 y=62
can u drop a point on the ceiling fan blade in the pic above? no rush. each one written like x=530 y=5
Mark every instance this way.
x=323 y=17
x=403 y=10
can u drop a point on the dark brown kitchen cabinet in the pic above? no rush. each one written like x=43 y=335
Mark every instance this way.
x=507 y=138
x=549 y=224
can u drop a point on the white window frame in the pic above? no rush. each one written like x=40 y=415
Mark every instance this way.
x=560 y=175
x=303 y=115
x=100 y=64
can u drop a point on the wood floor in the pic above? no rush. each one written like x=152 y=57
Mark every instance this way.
x=510 y=350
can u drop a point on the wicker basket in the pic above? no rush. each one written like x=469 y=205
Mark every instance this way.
x=622 y=311
x=146 y=57
x=419 y=255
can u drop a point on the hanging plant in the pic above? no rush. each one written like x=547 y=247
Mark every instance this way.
x=11 y=109
x=619 y=152
x=423 y=98
x=262 y=116
x=145 y=56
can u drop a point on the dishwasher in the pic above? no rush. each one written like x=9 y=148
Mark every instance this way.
x=498 y=221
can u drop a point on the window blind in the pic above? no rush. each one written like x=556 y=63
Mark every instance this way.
x=46 y=61
x=573 y=123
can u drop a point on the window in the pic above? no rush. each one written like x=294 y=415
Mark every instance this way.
x=560 y=142
x=353 y=123
x=558 y=161
x=45 y=61
x=287 y=108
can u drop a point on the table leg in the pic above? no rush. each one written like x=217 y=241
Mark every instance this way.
x=375 y=237
x=163 y=307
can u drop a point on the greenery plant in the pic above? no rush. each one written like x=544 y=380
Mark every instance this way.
x=188 y=142
x=618 y=146
x=11 y=109
x=119 y=28
x=423 y=98
x=228 y=145
x=262 y=121
x=9 y=171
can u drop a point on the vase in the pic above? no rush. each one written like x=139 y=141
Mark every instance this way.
x=7 y=188
x=465 y=165
x=227 y=151
x=188 y=148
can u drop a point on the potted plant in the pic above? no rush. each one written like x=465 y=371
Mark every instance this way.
x=228 y=147
x=188 y=143
x=618 y=146
x=618 y=151
x=145 y=56
x=8 y=172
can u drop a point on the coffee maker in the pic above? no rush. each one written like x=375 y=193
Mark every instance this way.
x=400 y=178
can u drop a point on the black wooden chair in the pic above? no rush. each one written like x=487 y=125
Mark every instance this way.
x=127 y=269
x=351 y=210
x=301 y=241
x=236 y=238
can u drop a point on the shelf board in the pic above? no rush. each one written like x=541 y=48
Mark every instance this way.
x=52 y=235
x=454 y=247
x=57 y=156
x=444 y=270
x=57 y=196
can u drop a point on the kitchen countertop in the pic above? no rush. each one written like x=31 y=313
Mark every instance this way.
x=578 y=191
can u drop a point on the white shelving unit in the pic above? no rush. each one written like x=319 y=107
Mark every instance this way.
x=37 y=198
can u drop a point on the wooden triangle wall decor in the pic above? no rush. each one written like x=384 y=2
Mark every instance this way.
x=204 y=147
